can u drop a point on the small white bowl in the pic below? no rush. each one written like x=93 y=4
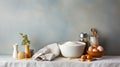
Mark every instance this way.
x=72 y=49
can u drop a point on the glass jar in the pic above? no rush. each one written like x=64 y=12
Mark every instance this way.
x=84 y=38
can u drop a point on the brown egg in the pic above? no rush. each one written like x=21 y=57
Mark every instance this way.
x=95 y=45
x=89 y=57
x=90 y=48
x=94 y=50
x=83 y=57
x=100 y=48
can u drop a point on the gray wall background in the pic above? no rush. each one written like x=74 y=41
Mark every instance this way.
x=49 y=21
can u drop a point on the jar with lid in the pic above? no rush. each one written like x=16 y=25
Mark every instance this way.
x=84 y=38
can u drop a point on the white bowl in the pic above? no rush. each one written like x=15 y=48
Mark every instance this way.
x=72 y=49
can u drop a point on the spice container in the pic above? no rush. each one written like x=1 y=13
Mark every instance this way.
x=84 y=38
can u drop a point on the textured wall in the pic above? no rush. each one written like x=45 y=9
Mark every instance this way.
x=49 y=21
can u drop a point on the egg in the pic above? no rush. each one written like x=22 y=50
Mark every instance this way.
x=89 y=57
x=90 y=48
x=95 y=50
x=83 y=57
x=100 y=48
x=95 y=45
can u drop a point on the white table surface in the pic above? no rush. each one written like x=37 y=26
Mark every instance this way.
x=105 y=61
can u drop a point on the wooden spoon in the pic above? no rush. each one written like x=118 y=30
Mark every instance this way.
x=94 y=33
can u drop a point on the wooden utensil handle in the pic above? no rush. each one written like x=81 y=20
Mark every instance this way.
x=94 y=33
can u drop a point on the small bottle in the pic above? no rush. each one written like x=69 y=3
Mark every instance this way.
x=27 y=51
x=84 y=38
x=15 y=51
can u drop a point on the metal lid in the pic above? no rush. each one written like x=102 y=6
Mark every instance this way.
x=83 y=35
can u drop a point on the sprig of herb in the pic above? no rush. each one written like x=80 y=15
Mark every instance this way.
x=25 y=39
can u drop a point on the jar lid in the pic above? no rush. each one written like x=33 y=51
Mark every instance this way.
x=83 y=35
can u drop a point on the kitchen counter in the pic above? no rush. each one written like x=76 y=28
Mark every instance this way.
x=105 y=61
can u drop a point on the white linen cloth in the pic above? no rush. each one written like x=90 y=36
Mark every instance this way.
x=48 y=53
x=105 y=61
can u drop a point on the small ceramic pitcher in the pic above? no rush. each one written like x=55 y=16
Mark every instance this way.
x=15 y=51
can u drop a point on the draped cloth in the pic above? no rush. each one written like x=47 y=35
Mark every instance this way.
x=47 y=53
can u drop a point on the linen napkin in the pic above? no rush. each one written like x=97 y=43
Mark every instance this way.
x=47 y=53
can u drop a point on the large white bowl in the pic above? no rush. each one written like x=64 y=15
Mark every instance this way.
x=72 y=49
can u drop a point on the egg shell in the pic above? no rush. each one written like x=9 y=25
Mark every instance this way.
x=89 y=57
x=83 y=57
x=90 y=48
x=95 y=50
x=95 y=45
x=100 y=48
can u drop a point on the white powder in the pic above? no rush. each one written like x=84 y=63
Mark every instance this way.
x=69 y=43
